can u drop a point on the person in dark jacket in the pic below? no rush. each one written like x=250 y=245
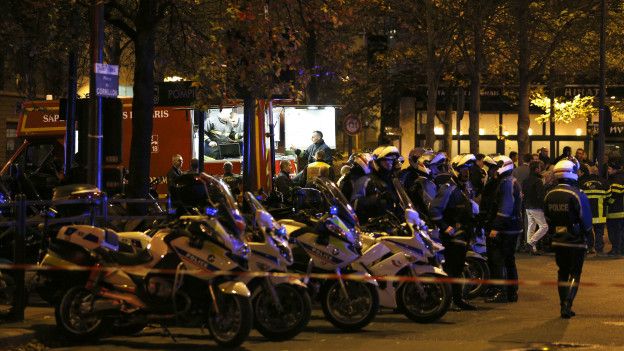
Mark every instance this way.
x=568 y=212
x=418 y=179
x=453 y=211
x=533 y=189
x=381 y=196
x=478 y=174
x=174 y=172
x=283 y=184
x=317 y=144
x=598 y=193
x=505 y=229
x=567 y=153
x=615 y=214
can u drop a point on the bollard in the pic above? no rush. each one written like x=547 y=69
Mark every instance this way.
x=19 y=257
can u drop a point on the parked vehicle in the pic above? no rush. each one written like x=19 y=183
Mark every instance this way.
x=325 y=241
x=122 y=288
x=408 y=252
x=282 y=306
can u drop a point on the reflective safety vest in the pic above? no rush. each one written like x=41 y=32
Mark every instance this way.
x=616 y=201
x=317 y=169
x=597 y=193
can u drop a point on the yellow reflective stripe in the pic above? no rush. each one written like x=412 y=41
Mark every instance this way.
x=595 y=192
x=599 y=220
x=615 y=215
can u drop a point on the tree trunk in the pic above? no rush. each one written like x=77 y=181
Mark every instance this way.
x=433 y=79
x=448 y=121
x=432 y=100
x=475 y=111
x=522 y=18
x=475 y=87
x=143 y=101
x=312 y=90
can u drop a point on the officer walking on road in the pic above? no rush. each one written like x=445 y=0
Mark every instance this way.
x=452 y=211
x=569 y=213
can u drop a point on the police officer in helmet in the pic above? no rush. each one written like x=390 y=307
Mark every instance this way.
x=380 y=190
x=569 y=217
x=418 y=179
x=453 y=211
x=506 y=225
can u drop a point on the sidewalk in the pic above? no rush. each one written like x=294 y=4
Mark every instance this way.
x=16 y=334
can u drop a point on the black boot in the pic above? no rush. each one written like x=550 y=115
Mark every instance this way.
x=571 y=294
x=458 y=300
x=498 y=297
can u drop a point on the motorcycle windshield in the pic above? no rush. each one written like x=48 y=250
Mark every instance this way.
x=254 y=206
x=334 y=197
x=404 y=199
x=221 y=199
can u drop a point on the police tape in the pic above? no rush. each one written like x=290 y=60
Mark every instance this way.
x=139 y=270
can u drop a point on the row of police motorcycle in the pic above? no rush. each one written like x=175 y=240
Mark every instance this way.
x=227 y=267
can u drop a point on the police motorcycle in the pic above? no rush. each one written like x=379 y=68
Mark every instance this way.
x=326 y=239
x=407 y=252
x=281 y=305
x=170 y=283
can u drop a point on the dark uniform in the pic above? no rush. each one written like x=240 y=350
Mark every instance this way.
x=598 y=192
x=420 y=187
x=452 y=207
x=568 y=212
x=508 y=224
x=615 y=214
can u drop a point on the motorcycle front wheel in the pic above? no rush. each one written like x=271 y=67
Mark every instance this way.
x=284 y=323
x=354 y=311
x=74 y=316
x=424 y=302
x=231 y=322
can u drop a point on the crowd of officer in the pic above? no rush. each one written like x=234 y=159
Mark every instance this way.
x=447 y=199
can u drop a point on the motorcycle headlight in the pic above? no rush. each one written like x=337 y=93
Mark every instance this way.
x=243 y=250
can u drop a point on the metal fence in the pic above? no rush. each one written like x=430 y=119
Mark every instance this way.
x=22 y=214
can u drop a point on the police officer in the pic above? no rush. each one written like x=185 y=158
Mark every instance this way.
x=380 y=193
x=418 y=179
x=354 y=184
x=452 y=210
x=487 y=210
x=570 y=223
x=597 y=191
x=615 y=215
x=505 y=228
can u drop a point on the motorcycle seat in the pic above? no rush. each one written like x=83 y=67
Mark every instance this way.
x=131 y=259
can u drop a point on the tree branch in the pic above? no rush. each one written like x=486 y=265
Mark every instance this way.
x=123 y=26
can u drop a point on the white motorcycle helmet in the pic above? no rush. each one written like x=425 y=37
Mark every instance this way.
x=567 y=169
x=387 y=151
x=415 y=154
x=460 y=162
x=427 y=163
x=362 y=160
x=504 y=163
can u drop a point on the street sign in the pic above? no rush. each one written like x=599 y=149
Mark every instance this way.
x=174 y=93
x=351 y=125
x=106 y=80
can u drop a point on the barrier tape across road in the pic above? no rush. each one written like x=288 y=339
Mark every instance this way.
x=292 y=275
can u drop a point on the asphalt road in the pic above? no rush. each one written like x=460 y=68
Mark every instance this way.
x=532 y=323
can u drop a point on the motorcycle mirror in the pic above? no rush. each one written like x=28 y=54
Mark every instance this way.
x=264 y=219
x=412 y=217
